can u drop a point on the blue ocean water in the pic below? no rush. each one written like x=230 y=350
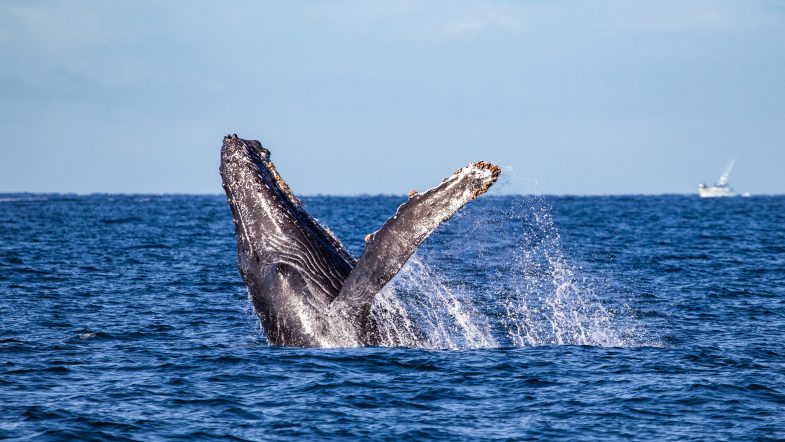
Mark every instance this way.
x=557 y=318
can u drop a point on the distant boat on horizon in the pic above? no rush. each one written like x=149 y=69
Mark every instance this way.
x=721 y=188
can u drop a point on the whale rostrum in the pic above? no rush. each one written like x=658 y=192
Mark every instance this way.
x=305 y=287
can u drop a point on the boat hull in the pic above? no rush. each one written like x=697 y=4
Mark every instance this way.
x=715 y=192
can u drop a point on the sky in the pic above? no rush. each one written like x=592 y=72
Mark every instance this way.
x=569 y=97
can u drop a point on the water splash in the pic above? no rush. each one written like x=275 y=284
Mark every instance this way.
x=538 y=297
x=547 y=302
x=419 y=308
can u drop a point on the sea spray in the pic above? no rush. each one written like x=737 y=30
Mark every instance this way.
x=545 y=300
x=536 y=296
x=430 y=312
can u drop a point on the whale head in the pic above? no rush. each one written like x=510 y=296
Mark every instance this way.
x=293 y=266
x=251 y=180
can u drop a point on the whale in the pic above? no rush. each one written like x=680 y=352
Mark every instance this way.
x=305 y=287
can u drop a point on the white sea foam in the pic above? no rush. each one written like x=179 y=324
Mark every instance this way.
x=15 y=199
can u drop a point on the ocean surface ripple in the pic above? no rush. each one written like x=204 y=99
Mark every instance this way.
x=525 y=317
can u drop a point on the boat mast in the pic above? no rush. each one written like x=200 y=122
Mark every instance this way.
x=723 y=181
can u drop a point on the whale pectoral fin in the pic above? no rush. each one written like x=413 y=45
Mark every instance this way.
x=388 y=249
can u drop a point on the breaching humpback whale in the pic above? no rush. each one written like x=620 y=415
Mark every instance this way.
x=305 y=287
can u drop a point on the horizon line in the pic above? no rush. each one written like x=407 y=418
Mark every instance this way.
x=356 y=195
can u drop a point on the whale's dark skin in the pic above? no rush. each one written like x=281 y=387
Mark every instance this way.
x=305 y=287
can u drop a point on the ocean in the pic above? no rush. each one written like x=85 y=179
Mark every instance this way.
x=124 y=317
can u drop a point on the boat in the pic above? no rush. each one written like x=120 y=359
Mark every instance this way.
x=721 y=188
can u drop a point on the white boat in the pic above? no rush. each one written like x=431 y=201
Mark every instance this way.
x=721 y=187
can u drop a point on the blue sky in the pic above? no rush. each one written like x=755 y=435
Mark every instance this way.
x=570 y=97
